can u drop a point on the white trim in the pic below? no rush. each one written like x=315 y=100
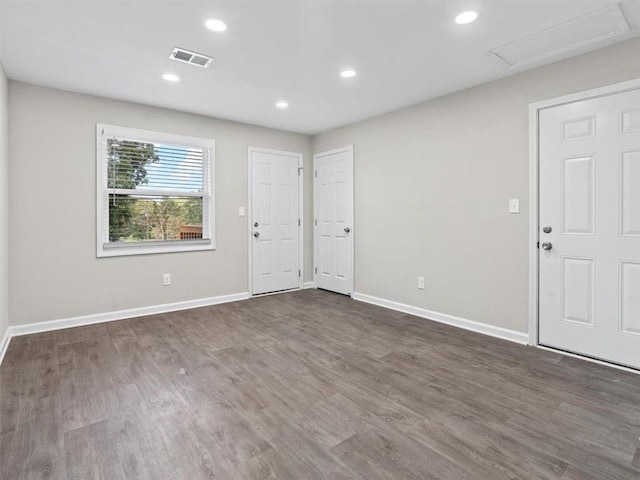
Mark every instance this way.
x=277 y=292
x=478 y=327
x=208 y=196
x=589 y=359
x=588 y=94
x=346 y=148
x=309 y=285
x=125 y=250
x=63 y=323
x=534 y=114
x=533 y=226
x=300 y=158
x=316 y=243
x=4 y=344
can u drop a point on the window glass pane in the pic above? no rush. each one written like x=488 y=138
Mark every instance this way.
x=128 y=160
x=148 y=218
x=147 y=166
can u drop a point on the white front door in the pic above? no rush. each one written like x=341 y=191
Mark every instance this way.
x=333 y=220
x=274 y=220
x=590 y=227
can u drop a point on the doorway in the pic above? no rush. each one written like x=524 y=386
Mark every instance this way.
x=333 y=220
x=587 y=224
x=275 y=221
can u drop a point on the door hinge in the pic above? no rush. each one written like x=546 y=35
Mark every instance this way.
x=316 y=173
x=298 y=222
x=538 y=246
x=298 y=273
x=316 y=222
x=299 y=170
x=316 y=270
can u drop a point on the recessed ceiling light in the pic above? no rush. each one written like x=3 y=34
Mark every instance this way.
x=282 y=105
x=466 y=17
x=215 y=25
x=170 y=77
x=348 y=73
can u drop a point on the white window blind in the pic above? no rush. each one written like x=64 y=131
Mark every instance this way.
x=155 y=192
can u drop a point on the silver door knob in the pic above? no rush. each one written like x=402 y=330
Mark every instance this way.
x=256 y=234
x=547 y=229
x=347 y=229
x=547 y=246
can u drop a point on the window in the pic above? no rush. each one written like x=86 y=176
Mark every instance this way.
x=155 y=192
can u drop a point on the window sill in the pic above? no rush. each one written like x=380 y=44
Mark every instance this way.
x=148 y=248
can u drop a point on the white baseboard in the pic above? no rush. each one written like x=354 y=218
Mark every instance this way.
x=39 y=327
x=472 y=325
x=309 y=285
x=4 y=343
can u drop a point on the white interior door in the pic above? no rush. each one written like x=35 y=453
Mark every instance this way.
x=333 y=220
x=589 y=297
x=275 y=220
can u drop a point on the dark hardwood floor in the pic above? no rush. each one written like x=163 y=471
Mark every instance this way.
x=307 y=385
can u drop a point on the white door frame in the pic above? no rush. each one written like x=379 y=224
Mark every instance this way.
x=534 y=186
x=316 y=244
x=300 y=158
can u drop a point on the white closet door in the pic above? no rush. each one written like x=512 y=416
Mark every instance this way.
x=333 y=223
x=274 y=220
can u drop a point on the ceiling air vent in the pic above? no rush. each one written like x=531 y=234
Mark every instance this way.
x=193 y=58
x=583 y=31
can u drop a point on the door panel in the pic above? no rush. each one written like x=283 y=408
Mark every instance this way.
x=333 y=223
x=579 y=191
x=629 y=298
x=578 y=293
x=630 y=121
x=630 y=193
x=590 y=198
x=274 y=221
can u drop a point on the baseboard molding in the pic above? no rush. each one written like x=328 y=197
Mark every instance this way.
x=51 y=325
x=309 y=285
x=48 y=326
x=4 y=343
x=472 y=325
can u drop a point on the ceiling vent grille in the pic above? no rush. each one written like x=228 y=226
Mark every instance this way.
x=580 y=32
x=192 y=58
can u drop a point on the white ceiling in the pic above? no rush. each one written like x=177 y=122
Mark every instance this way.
x=404 y=52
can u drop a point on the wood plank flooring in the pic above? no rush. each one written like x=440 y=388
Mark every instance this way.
x=307 y=385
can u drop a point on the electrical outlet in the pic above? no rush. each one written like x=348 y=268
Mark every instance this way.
x=241 y=211
x=166 y=279
x=514 y=205
x=421 y=283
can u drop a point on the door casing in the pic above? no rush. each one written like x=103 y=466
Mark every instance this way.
x=534 y=199
x=249 y=213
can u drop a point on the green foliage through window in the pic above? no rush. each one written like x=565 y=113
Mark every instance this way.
x=150 y=170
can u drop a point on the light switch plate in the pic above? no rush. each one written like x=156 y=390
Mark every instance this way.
x=241 y=211
x=514 y=205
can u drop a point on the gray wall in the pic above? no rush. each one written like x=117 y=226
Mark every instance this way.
x=4 y=205
x=54 y=272
x=432 y=184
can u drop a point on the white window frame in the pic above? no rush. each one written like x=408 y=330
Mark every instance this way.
x=106 y=249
